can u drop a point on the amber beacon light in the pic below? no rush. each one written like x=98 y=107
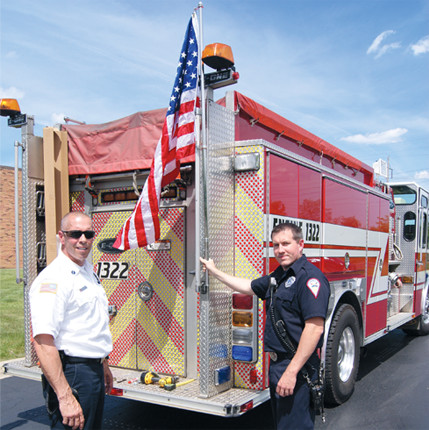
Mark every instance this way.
x=219 y=56
x=11 y=109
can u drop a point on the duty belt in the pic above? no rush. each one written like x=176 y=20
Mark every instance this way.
x=80 y=360
x=278 y=356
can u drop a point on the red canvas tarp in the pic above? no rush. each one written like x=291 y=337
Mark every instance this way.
x=123 y=145
x=129 y=143
x=287 y=128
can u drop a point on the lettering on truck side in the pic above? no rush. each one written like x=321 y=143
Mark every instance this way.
x=112 y=269
x=311 y=229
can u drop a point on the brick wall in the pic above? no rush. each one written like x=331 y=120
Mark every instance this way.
x=7 y=218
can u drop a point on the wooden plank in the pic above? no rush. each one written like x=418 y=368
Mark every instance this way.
x=55 y=158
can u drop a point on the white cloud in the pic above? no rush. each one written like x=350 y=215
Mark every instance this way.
x=388 y=136
x=386 y=48
x=378 y=48
x=423 y=174
x=421 y=47
x=58 y=118
x=375 y=46
x=12 y=93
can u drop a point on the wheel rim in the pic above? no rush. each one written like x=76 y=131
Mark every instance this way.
x=346 y=354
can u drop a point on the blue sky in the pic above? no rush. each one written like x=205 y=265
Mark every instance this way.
x=355 y=73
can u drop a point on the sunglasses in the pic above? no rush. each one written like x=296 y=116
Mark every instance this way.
x=76 y=234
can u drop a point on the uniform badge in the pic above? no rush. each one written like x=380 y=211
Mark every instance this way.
x=290 y=282
x=313 y=285
x=48 y=288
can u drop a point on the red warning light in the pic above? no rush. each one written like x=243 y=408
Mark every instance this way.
x=242 y=301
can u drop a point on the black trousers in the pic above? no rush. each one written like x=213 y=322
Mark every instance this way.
x=290 y=412
x=88 y=381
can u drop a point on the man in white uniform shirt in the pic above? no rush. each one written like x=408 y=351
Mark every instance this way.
x=71 y=333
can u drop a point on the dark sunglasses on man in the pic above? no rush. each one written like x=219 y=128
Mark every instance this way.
x=76 y=234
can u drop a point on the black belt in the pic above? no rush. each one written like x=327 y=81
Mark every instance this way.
x=279 y=356
x=80 y=360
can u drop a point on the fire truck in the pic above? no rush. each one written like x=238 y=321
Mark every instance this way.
x=172 y=321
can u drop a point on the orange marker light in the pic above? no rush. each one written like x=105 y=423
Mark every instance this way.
x=242 y=319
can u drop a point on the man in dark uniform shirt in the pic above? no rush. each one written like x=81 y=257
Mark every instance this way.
x=300 y=299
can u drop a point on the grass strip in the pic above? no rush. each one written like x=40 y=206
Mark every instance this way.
x=11 y=316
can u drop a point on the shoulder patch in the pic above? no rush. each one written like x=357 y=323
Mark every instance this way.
x=48 y=288
x=313 y=285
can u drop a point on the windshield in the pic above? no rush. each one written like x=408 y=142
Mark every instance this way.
x=404 y=195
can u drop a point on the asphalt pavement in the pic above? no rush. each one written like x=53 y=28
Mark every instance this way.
x=392 y=388
x=392 y=393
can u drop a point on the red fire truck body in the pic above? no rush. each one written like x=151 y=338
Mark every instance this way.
x=258 y=169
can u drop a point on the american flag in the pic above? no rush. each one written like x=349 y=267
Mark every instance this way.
x=177 y=141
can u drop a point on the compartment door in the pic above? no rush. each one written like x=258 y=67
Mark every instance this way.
x=146 y=286
x=119 y=275
x=160 y=313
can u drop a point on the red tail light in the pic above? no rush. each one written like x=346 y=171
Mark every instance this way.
x=247 y=406
x=117 y=392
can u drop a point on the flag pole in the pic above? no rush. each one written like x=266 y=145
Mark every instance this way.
x=203 y=218
x=203 y=134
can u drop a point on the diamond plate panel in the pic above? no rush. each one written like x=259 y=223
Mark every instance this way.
x=249 y=252
x=33 y=234
x=215 y=333
x=34 y=238
x=407 y=265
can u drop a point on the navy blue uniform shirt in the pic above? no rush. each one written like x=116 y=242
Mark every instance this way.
x=302 y=293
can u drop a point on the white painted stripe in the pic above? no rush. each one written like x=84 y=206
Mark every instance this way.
x=376 y=299
x=335 y=253
x=343 y=236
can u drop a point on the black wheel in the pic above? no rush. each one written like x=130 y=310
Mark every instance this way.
x=420 y=327
x=342 y=355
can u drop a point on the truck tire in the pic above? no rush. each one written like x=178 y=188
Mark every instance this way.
x=420 y=327
x=342 y=355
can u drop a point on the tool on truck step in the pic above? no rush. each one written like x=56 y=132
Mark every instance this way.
x=166 y=382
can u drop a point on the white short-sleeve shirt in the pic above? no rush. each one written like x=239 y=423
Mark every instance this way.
x=68 y=302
